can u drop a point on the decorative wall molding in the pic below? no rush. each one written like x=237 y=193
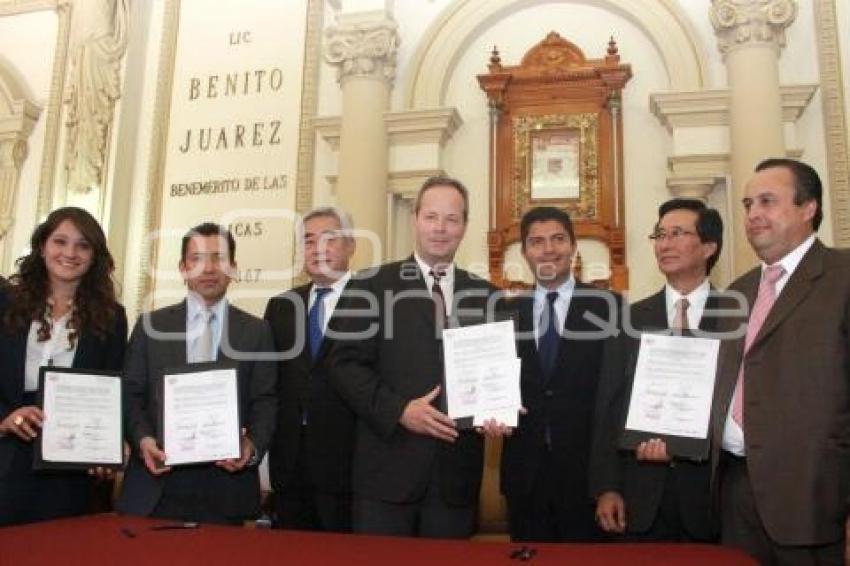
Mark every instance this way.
x=54 y=109
x=739 y=23
x=152 y=207
x=309 y=107
x=662 y=21
x=834 y=119
x=18 y=116
x=435 y=126
x=696 y=175
x=363 y=44
x=711 y=107
x=16 y=7
x=93 y=88
x=401 y=184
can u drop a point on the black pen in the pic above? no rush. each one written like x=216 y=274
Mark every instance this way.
x=176 y=526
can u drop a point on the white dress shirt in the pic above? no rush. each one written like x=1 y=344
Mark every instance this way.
x=195 y=325
x=733 y=435
x=55 y=351
x=696 y=303
x=330 y=299
x=447 y=282
x=562 y=304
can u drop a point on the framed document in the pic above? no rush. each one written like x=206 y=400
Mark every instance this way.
x=672 y=392
x=555 y=164
x=200 y=414
x=83 y=423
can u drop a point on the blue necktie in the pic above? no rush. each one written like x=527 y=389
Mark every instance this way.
x=547 y=343
x=315 y=319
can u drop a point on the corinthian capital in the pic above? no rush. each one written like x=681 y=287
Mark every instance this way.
x=363 y=45
x=742 y=22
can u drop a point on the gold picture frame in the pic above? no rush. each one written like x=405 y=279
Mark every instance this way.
x=556 y=163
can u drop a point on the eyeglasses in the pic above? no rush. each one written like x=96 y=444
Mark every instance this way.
x=673 y=235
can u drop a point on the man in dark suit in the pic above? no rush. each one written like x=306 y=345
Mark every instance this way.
x=781 y=415
x=310 y=456
x=645 y=493
x=415 y=473
x=202 y=328
x=563 y=324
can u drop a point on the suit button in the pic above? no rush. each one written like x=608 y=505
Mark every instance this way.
x=548 y=393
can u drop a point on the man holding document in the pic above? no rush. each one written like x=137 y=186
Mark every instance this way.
x=216 y=422
x=663 y=500
x=563 y=325
x=416 y=472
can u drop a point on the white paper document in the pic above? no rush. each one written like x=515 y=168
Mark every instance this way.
x=200 y=417
x=82 y=419
x=673 y=385
x=482 y=372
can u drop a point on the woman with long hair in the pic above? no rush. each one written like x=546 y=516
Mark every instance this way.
x=58 y=309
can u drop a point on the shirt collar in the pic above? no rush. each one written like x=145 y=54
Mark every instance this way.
x=426 y=269
x=793 y=258
x=336 y=287
x=194 y=306
x=696 y=298
x=563 y=290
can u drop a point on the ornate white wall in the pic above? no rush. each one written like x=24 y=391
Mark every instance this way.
x=670 y=44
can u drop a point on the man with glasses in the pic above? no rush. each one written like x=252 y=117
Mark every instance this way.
x=645 y=494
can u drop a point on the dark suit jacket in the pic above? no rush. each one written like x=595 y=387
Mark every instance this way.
x=564 y=401
x=147 y=359
x=93 y=352
x=304 y=387
x=641 y=484
x=797 y=400
x=388 y=358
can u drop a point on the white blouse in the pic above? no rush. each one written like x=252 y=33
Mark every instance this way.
x=55 y=351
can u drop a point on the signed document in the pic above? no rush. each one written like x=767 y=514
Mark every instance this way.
x=672 y=393
x=200 y=416
x=82 y=425
x=482 y=372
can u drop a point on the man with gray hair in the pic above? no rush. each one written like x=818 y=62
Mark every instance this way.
x=310 y=456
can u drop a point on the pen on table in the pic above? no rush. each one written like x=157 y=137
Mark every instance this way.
x=176 y=526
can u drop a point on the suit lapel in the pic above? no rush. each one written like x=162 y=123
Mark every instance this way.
x=174 y=321
x=651 y=314
x=19 y=347
x=411 y=279
x=797 y=288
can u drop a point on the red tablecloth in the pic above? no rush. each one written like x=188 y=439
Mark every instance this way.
x=126 y=541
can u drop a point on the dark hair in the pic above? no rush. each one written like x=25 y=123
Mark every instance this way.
x=209 y=229
x=440 y=181
x=807 y=185
x=709 y=224
x=544 y=214
x=29 y=288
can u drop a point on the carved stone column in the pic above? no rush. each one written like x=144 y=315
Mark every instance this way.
x=363 y=46
x=750 y=35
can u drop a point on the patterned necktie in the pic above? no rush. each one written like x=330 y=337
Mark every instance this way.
x=547 y=343
x=680 y=316
x=438 y=298
x=764 y=302
x=315 y=321
x=204 y=351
